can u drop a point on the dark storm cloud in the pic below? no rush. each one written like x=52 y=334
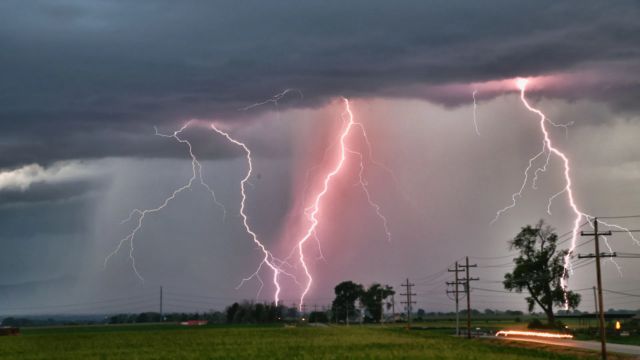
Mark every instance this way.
x=88 y=79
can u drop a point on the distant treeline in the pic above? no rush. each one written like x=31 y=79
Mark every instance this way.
x=214 y=317
x=238 y=313
x=474 y=312
x=37 y=321
x=256 y=313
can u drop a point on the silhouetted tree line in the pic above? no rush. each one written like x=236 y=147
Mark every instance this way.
x=21 y=322
x=214 y=317
x=421 y=314
x=372 y=301
x=261 y=313
x=256 y=313
x=40 y=321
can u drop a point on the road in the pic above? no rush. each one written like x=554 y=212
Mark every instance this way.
x=586 y=345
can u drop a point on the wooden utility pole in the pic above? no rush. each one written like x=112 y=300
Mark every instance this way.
x=467 y=290
x=381 y=305
x=161 y=310
x=393 y=307
x=597 y=256
x=455 y=291
x=595 y=300
x=409 y=302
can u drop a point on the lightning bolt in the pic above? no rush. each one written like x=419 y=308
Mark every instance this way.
x=549 y=149
x=568 y=189
x=141 y=214
x=275 y=99
x=268 y=258
x=313 y=211
x=475 y=110
x=365 y=188
x=518 y=194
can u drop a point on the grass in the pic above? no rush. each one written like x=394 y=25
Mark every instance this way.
x=498 y=324
x=261 y=342
x=627 y=340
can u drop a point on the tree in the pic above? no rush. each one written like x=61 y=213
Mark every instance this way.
x=373 y=298
x=347 y=292
x=539 y=269
x=231 y=312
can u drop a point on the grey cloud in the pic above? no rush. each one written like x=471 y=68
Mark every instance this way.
x=42 y=192
x=61 y=181
x=90 y=79
x=94 y=76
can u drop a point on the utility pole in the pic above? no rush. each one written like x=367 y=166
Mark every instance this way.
x=595 y=304
x=456 y=283
x=381 y=305
x=409 y=302
x=597 y=256
x=467 y=290
x=595 y=300
x=161 y=313
x=393 y=307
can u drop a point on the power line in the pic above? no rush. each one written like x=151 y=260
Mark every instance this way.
x=456 y=284
x=433 y=274
x=628 y=255
x=596 y=234
x=509 y=264
x=621 y=293
x=492 y=290
x=513 y=253
x=619 y=217
x=408 y=302
x=491 y=257
x=467 y=290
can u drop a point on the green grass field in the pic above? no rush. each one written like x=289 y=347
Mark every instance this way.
x=260 y=342
x=573 y=324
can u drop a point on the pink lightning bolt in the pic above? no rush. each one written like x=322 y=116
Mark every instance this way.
x=314 y=209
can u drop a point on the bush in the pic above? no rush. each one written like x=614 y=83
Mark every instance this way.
x=318 y=317
x=537 y=324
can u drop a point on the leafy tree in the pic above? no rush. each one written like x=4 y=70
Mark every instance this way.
x=539 y=270
x=347 y=292
x=231 y=312
x=373 y=298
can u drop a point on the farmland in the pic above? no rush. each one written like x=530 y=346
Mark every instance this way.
x=267 y=342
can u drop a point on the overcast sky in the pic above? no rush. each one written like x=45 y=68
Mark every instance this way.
x=84 y=83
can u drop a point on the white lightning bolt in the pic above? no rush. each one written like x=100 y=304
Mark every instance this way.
x=475 y=109
x=196 y=175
